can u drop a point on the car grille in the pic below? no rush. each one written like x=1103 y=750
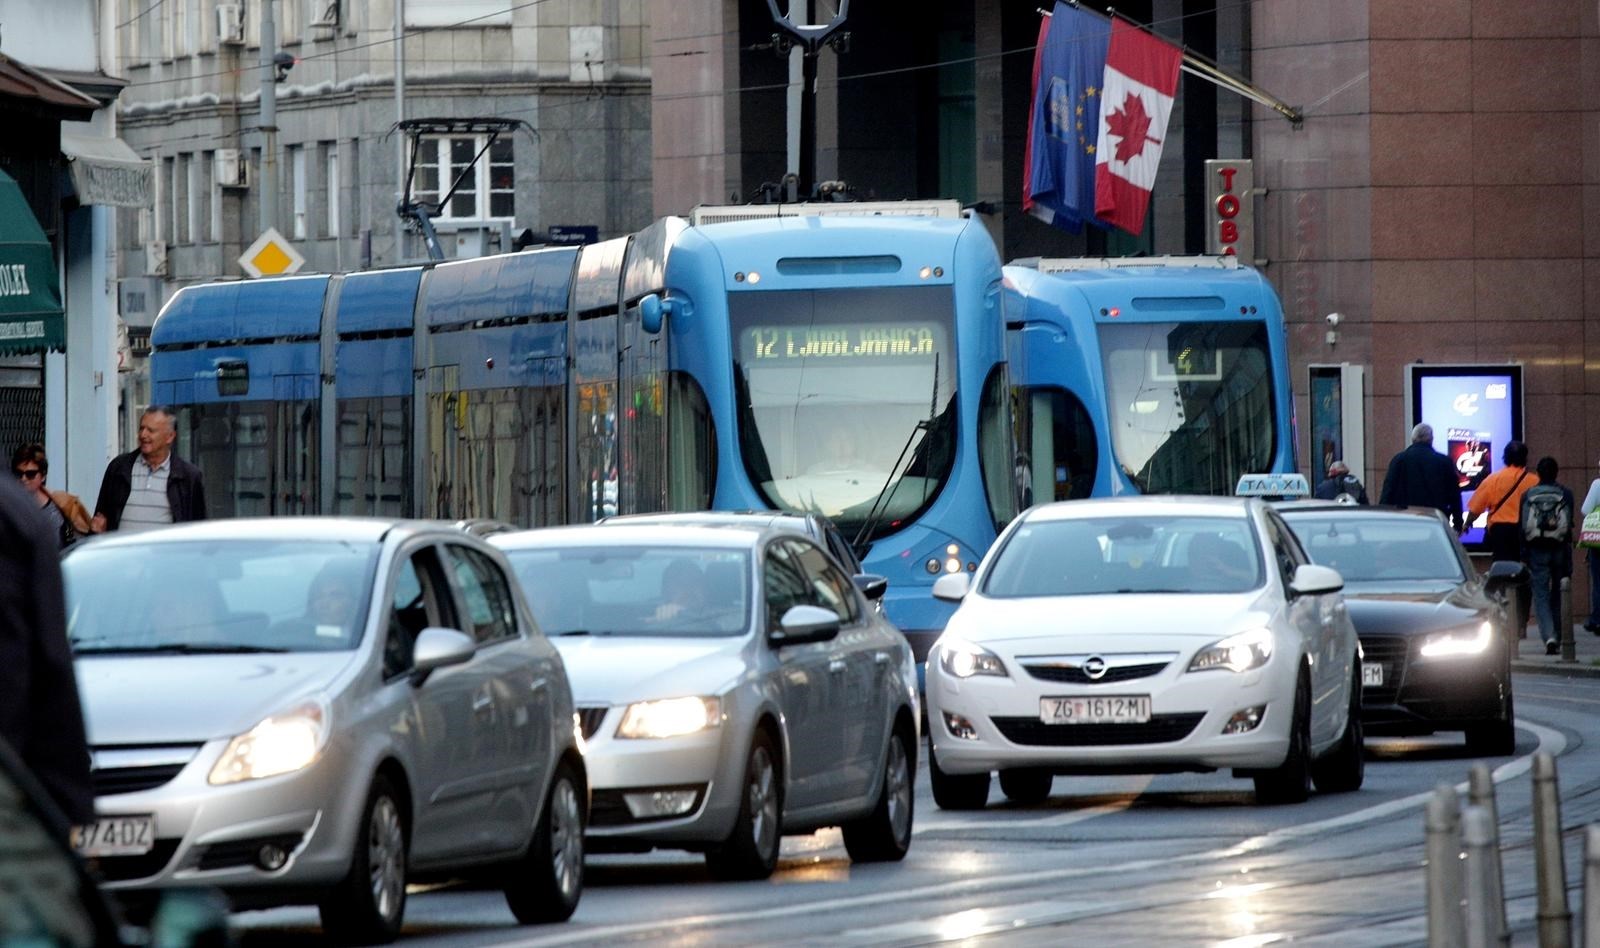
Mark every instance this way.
x=1160 y=729
x=1075 y=676
x=1390 y=651
x=112 y=780
x=590 y=720
x=123 y=868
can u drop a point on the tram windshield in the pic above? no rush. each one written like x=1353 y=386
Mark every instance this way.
x=846 y=400
x=1189 y=404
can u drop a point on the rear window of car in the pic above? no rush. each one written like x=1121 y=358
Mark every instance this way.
x=1127 y=554
x=1379 y=549
x=661 y=591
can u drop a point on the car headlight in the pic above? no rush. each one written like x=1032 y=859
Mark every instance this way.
x=281 y=744
x=670 y=717
x=1238 y=653
x=1472 y=641
x=964 y=660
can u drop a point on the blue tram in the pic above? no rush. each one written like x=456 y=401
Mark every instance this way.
x=1160 y=375
x=827 y=359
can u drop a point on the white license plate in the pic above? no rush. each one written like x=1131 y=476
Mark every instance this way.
x=115 y=836
x=1371 y=675
x=1106 y=709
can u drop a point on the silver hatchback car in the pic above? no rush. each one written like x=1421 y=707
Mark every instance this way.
x=734 y=687
x=313 y=710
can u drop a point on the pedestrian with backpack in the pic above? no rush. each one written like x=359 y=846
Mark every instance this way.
x=1547 y=519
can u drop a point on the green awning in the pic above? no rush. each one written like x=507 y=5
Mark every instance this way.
x=31 y=319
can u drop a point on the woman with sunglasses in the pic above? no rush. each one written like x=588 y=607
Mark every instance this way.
x=66 y=511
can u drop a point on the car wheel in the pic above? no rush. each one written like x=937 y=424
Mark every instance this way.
x=1497 y=738
x=957 y=791
x=548 y=881
x=885 y=834
x=369 y=905
x=1290 y=782
x=751 y=850
x=1344 y=768
x=1026 y=785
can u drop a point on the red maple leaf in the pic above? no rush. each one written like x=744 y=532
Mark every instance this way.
x=1131 y=126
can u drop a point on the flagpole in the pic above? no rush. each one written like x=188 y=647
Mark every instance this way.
x=1201 y=67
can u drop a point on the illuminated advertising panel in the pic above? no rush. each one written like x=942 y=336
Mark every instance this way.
x=1473 y=410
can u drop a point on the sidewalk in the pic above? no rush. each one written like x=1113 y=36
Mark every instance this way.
x=1530 y=657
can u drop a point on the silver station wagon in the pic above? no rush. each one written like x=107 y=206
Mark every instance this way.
x=734 y=686
x=309 y=710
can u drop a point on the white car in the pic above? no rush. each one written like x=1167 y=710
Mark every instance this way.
x=1144 y=635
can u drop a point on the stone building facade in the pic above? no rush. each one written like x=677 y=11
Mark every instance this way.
x=573 y=70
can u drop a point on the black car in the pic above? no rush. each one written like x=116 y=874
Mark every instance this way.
x=1436 y=644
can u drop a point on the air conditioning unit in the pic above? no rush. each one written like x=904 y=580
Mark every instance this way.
x=231 y=170
x=230 y=24
x=155 y=257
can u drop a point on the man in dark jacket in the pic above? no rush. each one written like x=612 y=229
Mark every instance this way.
x=1419 y=476
x=150 y=486
x=39 y=712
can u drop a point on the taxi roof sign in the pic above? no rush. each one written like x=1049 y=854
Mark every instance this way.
x=1272 y=485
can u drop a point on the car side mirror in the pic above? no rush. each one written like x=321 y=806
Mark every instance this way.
x=952 y=587
x=439 y=648
x=871 y=585
x=802 y=624
x=1313 y=580
x=1504 y=573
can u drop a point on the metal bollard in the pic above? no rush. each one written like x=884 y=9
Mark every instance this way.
x=1591 y=887
x=1569 y=645
x=1445 y=929
x=1480 y=792
x=1555 y=919
x=1482 y=918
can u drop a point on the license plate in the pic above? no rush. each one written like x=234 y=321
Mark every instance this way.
x=115 y=836
x=1371 y=675
x=1106 y=709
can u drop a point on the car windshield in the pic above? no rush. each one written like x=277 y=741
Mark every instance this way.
x=1379 y=549
x=1088 y=556
x=636 y=590
x=847 y=400
x=217 y=596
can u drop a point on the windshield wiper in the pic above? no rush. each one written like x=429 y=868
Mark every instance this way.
x=568 y=632
x=180 y=648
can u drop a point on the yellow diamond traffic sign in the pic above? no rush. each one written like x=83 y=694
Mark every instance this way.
x=271 y=255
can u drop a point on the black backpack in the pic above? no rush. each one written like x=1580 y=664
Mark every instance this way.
x=1545 y=515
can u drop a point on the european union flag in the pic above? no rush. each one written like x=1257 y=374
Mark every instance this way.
x=1065 y=122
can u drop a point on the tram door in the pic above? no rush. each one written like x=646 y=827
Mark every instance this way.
x=259 y=456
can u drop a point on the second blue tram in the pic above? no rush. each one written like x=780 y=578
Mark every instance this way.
x=844 y=363
x=1162 y=375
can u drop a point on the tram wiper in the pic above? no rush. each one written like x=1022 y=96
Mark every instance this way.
x=566 y=632
x=880 y=503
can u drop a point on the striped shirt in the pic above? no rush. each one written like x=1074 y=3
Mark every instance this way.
x=147 y=505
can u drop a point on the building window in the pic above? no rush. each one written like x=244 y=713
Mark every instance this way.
x=330 y=179
x=487 y=189
x=297 y=174
x=457 y=13
x=193 y=198
x=213 y=219
x=353 y=160
x=291 y=17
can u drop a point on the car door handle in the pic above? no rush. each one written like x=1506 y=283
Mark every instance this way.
x=837 y=665
x=482 y=703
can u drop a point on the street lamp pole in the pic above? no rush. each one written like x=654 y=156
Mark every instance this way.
x=269 y=117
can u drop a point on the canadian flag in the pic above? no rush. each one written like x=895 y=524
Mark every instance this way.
x=1136 y=97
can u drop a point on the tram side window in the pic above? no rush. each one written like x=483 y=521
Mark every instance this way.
x=1058 y=454
x=692 y=445
x=995 y=455
x=374 y=443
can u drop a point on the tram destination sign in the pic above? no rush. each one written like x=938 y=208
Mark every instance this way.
x=897 y=340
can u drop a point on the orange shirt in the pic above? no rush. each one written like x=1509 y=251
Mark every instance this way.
x=1498 y=485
